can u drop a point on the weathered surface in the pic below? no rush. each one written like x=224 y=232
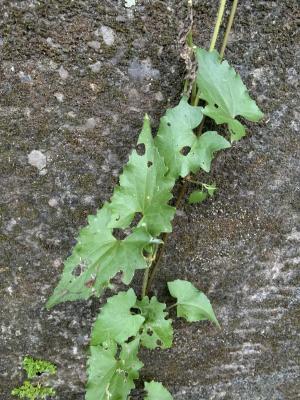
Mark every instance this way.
x=76 y=79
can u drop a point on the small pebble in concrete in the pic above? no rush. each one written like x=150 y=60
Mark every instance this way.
x=25 y=78
x=59 y=97
x=37 y=159
x=53 y=202
x=108 y=35
x=96 y=66
x=94 y=44
x=63 y=73
x=159 y=96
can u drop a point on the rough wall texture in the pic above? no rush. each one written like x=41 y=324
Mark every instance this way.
x=76 y=79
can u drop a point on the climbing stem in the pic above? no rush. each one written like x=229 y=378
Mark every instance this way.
x=229 y=26
x=185 y=181
x=145 y=282
x=218 y=24
x=213 y=41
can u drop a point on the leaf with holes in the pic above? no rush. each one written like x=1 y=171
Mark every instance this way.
x=157 y=331
x=192 y=304
x=115 y=321
x=175 y=136
x=183 y=151
x=111 y=376
x=226 y=95
x=97 y=257
x=144 y=189
x=203 y=150
x=156 y=391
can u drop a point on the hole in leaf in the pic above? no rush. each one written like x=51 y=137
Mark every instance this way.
x=216 y=105
x=185 y=150
x=159 y=342
x=140 y=149
x=149 y=164
x=149 y=332
x=169 y=123
x=130 y=339
x=119 y=349
x=141 y=331
x=90 y=283
x=135 y=310
x=78 y=270
x=119 y=234
x=136 y=219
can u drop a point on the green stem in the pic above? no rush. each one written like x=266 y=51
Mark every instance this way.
x=213 y=39
x=218 y=24
x=145 y=282
x=172 y=306
x=228 y=28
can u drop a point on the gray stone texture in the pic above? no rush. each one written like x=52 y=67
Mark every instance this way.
x=76 y=78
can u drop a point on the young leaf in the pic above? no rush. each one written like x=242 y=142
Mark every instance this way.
x=192 y=304
x=203 y=149
x=198 y=196
x=226 y=95
x=156 y=391
x=115 y=320
x=110 y=377
x=144 y=189
x=210 y=189
x=156 y=330
x=175 y=134
x=97 y=257
x=183 y=151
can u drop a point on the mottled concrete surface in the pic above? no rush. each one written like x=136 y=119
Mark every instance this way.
x=76 y=79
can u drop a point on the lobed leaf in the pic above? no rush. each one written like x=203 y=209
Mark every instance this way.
x=192 y=304
x=144 y=189
x=115 y=321
x=157 y=331
x=111 y=376
x=156 y=391
x=183 y=151
x=226 y=95
x=97 y=257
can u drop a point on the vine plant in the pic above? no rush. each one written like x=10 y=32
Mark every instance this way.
x=139 y=209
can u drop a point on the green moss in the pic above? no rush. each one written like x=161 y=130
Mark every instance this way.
x=37 y=367
x=33 y=392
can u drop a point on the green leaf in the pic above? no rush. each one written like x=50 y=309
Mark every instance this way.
x=97 y=257
x=198 y=196
x=110 y=376
x=192 y=304
x=203 y=149
x=144 y=189
x=37 y=367
x=226 y=95
x=210 y=189
x=156 y=391
x=156 y=330
x=183 y=151
x=115 y=320
x=176 y=133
